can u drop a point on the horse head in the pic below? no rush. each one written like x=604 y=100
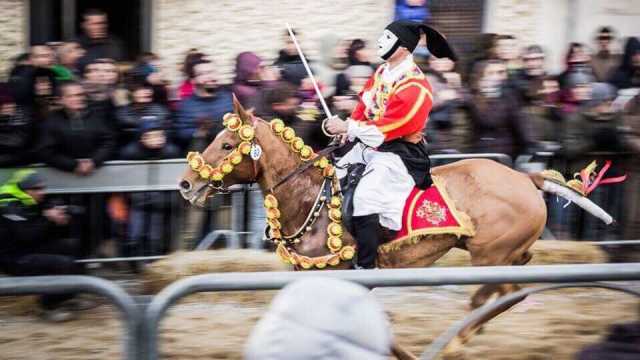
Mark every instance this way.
x=231 y=158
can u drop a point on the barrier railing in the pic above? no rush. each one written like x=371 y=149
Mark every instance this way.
x=377 y=278
x=40 y=285
x=439 y=344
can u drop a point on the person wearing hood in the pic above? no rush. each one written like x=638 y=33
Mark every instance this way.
x=321 y=318
x=252 y=76
x=578 y=60
x=628 y=74
x=32 y=238
x=332 y=59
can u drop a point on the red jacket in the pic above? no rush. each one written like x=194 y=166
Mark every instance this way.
x=400 y=110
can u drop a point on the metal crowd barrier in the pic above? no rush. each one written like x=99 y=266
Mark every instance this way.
x=39 y=285
x=439 y=344
x=377 y=278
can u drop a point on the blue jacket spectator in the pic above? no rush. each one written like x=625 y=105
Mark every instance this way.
x=200 y=116
x=414 y=10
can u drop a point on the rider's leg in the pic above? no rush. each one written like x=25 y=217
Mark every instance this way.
x=367 y=234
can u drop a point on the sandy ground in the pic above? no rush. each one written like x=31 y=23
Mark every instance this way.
x=547 y=326
x=553 y=325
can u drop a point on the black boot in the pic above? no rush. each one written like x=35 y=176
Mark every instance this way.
x=367 y=233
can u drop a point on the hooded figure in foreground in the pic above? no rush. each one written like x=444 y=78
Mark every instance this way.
x=321 y=318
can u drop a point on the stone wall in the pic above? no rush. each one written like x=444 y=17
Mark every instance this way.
x=12 y=32
x=224 y=28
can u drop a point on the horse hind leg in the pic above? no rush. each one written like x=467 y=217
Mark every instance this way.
x=489 y=293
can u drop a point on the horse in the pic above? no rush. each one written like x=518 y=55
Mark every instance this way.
x=504 y=205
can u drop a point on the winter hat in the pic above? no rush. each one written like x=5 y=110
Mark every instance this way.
x=30 y=180
x=533 y=50
x=578 y=78
x=407 y=34
x=602 y=92
x=150 y=123
x=321 y=318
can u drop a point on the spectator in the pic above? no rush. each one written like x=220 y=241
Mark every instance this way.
x=187 y=87
x=578 y=61
x=251 y=78
x=528 y=80
x=494 y=113
x=358 y=54
x=321 y=318
x=149 y=70
x=69 y=54
x=628 y=74
x=152 y=144
x=200 y=116
x=632 y=204
x=281 y=101
x=414 y=10
x=485 y=48
x=288 y=54
x=150 y=121
x=142 y=107
x=32 y=239
x=596 y=126
x=506 y=50
x=96 y=40
x=350 y=84
x=577 y=96
x=446 y=100
x=604 y=62
x=544 y=113
x=17 y=131
x=332 y=59
x=23 y=77
x=76 y=138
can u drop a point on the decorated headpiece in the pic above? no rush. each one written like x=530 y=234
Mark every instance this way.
x=407 y=34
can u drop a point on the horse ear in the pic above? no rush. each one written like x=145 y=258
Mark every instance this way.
x=238 y=109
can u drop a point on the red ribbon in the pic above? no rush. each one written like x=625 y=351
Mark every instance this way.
x=588 y=186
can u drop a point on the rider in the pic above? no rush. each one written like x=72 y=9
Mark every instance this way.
x=388 y=122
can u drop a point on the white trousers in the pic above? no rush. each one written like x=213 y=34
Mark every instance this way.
x=384 y=187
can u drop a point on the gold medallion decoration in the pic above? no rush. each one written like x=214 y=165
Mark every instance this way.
x=338 y=251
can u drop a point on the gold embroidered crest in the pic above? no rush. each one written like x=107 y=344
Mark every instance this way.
x=432 y=212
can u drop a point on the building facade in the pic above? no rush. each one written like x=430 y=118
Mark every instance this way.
x=223 y=28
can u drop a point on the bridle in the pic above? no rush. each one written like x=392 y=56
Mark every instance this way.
x=214 y=175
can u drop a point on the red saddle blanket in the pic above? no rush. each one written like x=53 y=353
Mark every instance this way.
x=431 y=212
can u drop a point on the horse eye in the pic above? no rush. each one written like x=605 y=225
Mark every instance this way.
x=227 y=146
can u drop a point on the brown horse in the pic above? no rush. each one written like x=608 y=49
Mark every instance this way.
x=505 y=206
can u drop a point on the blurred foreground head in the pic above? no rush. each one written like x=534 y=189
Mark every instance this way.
x=321 y=318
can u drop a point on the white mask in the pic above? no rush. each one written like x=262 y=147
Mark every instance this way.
x=386 y=44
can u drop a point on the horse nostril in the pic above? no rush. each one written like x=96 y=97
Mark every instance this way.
x=185 y=185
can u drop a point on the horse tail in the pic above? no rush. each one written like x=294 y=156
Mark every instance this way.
x=563 y=190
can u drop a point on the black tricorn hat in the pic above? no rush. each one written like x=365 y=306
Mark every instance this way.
x=408 y=33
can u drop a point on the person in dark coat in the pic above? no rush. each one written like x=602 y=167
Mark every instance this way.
x=96 y=40
x=628 y=74
x=77 y=138
x=494 y=113
x=32 y=242
x=17 y=131
x=142 y=107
